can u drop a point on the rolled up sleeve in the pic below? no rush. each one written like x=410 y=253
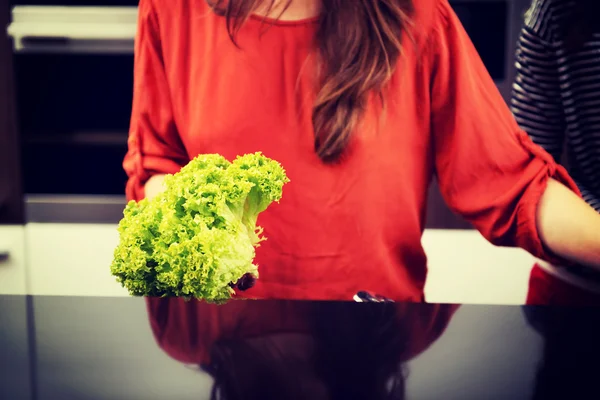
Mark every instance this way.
x=488 y=168
x=154 y=144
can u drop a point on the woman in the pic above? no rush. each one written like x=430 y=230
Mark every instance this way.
x=556 y=99
x=362 y=102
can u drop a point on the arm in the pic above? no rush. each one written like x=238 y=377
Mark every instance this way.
x=489 y=170
x=573 y=234
x=155 y=147
x=537 y=105
x=536 y=97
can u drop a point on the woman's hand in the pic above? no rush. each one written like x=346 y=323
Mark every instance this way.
x=366 y=297
x=154 y=186
x=244 y=283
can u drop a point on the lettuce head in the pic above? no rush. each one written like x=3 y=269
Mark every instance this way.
x=198 y=237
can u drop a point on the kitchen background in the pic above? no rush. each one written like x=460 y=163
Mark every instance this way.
x=65 y=97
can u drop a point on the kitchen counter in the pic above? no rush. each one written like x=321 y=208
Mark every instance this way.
x=130 y=348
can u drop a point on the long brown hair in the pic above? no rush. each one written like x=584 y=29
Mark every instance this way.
x=358 y=44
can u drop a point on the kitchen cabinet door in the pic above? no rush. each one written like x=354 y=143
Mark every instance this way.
x=15 y=372
x=72 y=260
x=12 y=260
x=102 y=348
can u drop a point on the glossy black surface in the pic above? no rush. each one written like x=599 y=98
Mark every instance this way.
x=122 y=348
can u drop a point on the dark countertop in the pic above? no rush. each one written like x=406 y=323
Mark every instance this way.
x=124 y=348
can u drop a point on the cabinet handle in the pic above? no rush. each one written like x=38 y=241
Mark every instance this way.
x=4 y=255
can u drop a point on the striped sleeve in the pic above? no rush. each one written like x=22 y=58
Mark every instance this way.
x=536 y=96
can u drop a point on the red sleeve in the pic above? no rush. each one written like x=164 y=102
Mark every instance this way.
x=489 y=170
x=154 y=143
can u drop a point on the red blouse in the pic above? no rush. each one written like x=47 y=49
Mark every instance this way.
x=357 y=225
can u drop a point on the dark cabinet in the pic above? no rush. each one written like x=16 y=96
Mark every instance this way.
x=11 y=198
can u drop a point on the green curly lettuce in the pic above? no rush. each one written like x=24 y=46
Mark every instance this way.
x=199 y=235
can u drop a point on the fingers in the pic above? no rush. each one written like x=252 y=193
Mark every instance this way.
x=366 y=297
x=244 y=283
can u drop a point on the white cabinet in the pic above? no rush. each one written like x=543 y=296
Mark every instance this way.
x=466 y=268
x=72 y=259
x=12 y=260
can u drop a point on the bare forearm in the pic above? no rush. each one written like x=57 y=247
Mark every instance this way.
x=568 y=226
x=154 y=186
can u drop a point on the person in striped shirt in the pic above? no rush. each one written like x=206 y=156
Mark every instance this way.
x=556 y=100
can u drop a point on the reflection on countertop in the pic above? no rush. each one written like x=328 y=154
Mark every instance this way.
x=133 y=348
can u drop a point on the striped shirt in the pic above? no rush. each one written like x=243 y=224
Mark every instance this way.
x=556 y=93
